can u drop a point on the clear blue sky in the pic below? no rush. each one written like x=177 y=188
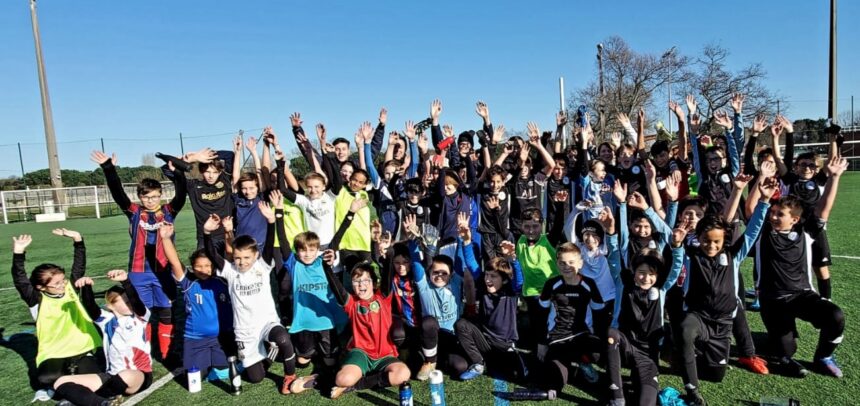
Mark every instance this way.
x=150 y=70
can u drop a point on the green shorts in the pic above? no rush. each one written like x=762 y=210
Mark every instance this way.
x=367 y=365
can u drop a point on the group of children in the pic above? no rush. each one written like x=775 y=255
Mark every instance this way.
x=527 y=257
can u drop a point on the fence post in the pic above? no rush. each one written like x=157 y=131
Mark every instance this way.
x=96 y=194
x=3 y=202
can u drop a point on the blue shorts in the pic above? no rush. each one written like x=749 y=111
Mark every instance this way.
x=153 y=292
x=203 y=353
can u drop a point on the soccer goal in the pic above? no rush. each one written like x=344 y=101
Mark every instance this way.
x=58 y=204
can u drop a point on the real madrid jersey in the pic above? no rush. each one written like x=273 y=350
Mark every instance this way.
x=251 y=294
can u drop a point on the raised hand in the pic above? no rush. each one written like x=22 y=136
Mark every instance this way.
x=117 y=275
x=615 y=139
x=296 y=119
x=166 y=231
x=776 y=130
x=64 y=232
x=237 y=144
x=534 y=133
x=279 y=156
x=83 y=281
x=637 y=201
x=366 y=131
x=650 y=170
x=560 y=196
x=676 y=108
x=20 y=243
x=328 y=257
x=767 y=169
x=759 y=123
x=100 y=157
x=623 y=120
x=679 y=234
x=509 y=250
x=423 y=143
x=227 y=223
x=695 y=122
x=410 y=131
x=277 y=198
x=837 y=166
x=357 y=204
x=691 y=104
x=383 y=116
x=269 y=136
x=435 y=111
x=410 y=224
x=721 y=117
x=492 y=202
x=606 y=219
x=673 y=185
x=321 y=134
x=266 y=211
x=463 y=227
x=448 y=131
x=742 y=180
x=768 y=188
x=785 y=123
x=738 y=102
x=205 y=155
x=251 y=144
x=619 y=190
x=211 y=224
x=498 y=134
x=561 y=119
x=641 y=115
x=706 y=140
x=482 y=110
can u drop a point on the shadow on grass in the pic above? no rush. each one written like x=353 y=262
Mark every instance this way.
x=373 y=397
x=26 y=346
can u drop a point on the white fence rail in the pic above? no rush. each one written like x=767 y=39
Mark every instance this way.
x=73 y=202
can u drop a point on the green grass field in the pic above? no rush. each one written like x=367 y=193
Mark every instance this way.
x=107 y=243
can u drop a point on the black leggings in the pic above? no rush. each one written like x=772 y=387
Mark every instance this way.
x=561 y=353
x=643 y=367
x=112 y=385
x=475 y=344
x=780 y=316
x=278 y=335
x=53 y=368
x=434 y=341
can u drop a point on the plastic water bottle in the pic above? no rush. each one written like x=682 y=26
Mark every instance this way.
x=437 y=388
x=405 y=394
x=235 y=377
x=531 y=394
x=194 y=384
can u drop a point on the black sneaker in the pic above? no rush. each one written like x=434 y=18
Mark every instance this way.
x=695 y=399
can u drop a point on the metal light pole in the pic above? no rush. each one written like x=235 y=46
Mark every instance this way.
x=666 y=55
x=601 y=103
x=47 y=117
x=831 y=106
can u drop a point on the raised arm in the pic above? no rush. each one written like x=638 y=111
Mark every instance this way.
x=534 y=140
x=88 y=298
x=682 y=128
x=79 y=264
x=356 y=205
x=212 y=224
x=268 y=212
x=114 y=183
x=19 y=275
x=237 y=167
x=379 y=133
x=836 y=167
x=767 y=188
x=334 y=283
x=740 y=183
x=166 y=233
x=137 y=306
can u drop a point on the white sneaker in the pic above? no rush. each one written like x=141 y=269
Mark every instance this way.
x=43 y=395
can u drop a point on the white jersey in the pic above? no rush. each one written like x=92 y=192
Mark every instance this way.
x=319 y=215
x=126 y=343
x=251 y=294
x=596 y=266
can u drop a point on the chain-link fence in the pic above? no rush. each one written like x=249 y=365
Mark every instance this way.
x=72 y=202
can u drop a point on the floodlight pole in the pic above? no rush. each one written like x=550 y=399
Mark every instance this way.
x=47 y=116
x=601 y=104
x=831 y=106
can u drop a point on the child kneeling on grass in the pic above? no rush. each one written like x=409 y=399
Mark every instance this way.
x=126 y=345
x=259 y=334
x=371 y=360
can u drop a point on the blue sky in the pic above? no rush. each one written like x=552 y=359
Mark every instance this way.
x=147 y=71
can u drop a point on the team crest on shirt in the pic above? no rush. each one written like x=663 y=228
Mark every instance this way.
x=725 y=178
x=372 y=307
x=792 y=236
x=219 y=185
x=724 y=259
x=502 y=195
x=636 y=170
x=810 y=185
x=222 y=297
x=565 y=181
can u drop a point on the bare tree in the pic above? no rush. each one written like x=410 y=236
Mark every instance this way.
x=631 y=80
x=147 y=160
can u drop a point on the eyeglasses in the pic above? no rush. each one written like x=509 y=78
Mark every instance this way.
x=439 y=274
x=59 y=285
x=150 y=198
x=360 y=282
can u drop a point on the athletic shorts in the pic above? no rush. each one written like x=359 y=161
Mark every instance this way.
x=714 y=341
x=367 y=365
x=821 y=250
x=203 y=353
x=152 y=289
x=147 y=380
x=255 y=348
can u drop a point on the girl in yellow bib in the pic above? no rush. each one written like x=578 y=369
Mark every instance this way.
x=67 y=337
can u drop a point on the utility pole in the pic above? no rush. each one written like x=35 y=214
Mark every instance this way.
x=831 y=106
x=601 y=104
x=47 y=116
x=562 y=109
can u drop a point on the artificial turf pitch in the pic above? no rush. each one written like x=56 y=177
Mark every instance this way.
x=107 y=245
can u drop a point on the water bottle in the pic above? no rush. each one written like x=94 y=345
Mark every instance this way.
x=437 y=388
x=405 y=394
x=235 y=377
x=194 y=384
x=531 y=394
x=778 y=401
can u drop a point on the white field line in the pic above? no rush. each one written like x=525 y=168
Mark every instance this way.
x=138 y=397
